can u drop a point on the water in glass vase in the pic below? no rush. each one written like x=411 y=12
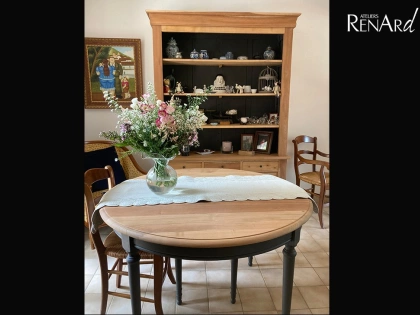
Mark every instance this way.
x=161 y=178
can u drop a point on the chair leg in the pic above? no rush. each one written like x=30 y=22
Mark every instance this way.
x=158 y=282
x=321 y=205
x=118 y=277
x=103 y=263
x=169 y=270
x=313 y=187
x=92 y=245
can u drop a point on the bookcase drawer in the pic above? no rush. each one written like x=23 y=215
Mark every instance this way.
x=263 y=166
x=231 y=165
x=176 y=164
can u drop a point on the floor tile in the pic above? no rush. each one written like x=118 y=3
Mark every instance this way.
x=194 y=302
x=306 y=277
x=220 y=301
x=324 y=274
x=256 y=299
x=269 y=260
x=318 y=259
x=298 y=301
x=315 y=296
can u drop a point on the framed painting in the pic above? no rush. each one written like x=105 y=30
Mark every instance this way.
x=247 y=141
x=262 y=141
x=113 y=65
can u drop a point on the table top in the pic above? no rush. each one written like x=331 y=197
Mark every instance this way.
x=209 y=224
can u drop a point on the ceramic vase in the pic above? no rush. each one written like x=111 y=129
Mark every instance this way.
x=194 y=54
x=204 y=54
x=171 y=48
x=269 y=53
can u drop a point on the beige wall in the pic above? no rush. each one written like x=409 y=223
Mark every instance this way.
x=309 y=93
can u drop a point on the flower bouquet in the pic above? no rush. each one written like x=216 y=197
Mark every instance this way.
x=156 y=129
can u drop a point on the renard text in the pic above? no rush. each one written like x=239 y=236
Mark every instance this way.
x=371 y=22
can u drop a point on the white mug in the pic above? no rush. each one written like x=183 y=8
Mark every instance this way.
x=226 y=146
x=247 y=88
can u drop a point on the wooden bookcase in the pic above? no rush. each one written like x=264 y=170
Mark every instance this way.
x=245 y=34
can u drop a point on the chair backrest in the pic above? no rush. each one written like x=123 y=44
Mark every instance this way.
x=91 y=176
x=305 y=151
x=126 y=168
x=312 y=167
x=129 y=164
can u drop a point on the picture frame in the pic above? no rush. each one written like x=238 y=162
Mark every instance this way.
x=247 y=141
x=120 y=55
x=262 y=141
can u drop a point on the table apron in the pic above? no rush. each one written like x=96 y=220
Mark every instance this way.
x=214 y=253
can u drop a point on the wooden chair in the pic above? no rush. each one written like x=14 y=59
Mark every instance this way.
x=112 y=247
x=129 y=165
x=312 y=166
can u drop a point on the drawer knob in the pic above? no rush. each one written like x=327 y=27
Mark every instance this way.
x=223 y=166
x=260 y=165
x=183 y=166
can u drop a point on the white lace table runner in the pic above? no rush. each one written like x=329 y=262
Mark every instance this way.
x=134 y=192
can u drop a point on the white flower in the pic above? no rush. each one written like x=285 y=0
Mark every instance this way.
x=134 y=103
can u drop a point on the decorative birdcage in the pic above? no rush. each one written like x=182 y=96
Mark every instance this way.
x=266 y=80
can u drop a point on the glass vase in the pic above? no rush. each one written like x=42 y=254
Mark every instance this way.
x=185 y=150
x=161 y=178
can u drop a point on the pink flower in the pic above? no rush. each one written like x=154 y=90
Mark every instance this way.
x=158 y=122
x=164 y=118
x=170 y=109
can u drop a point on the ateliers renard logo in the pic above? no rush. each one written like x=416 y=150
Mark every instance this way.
x=376 y=23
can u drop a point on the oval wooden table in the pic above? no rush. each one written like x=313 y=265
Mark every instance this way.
x=210 y=231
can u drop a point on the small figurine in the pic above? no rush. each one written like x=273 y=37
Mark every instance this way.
x=219 y=84
x=276 y=89
x=178 y=88
x=167 y=85
x=239 y=88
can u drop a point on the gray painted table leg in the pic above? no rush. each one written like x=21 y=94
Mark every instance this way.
x=133 y=267
x=289 y=254
x=178 y=278
x=233 y=279
x=250 y=260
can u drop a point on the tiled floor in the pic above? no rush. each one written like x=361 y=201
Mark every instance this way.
x=206 y=285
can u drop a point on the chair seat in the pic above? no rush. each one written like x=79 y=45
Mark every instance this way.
x=313 y=178
x=115 y=249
